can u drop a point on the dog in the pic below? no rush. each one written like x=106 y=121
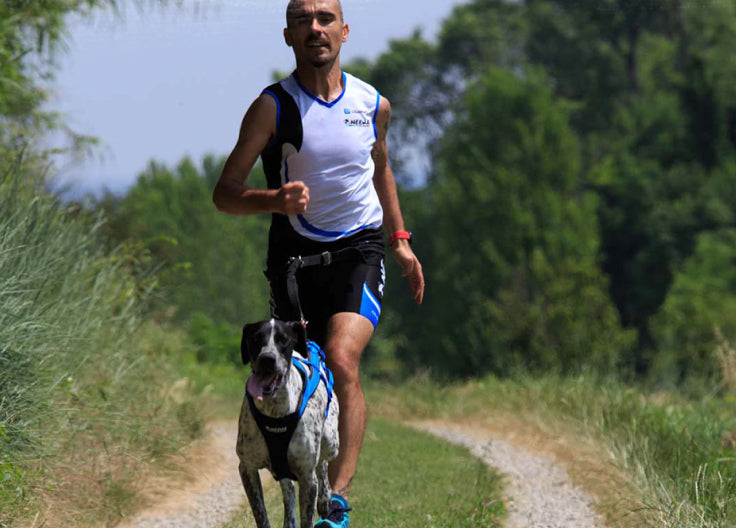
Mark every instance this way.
x=278 y=408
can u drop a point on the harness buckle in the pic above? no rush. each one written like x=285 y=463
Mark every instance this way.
x=326 y=258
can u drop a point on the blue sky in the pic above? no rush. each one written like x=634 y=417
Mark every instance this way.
x=164 y=83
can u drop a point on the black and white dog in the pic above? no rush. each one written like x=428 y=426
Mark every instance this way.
x=288 y=421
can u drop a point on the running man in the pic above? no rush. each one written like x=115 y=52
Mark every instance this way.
x=321 y=134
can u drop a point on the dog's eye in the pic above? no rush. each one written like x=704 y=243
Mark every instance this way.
x=282 y=340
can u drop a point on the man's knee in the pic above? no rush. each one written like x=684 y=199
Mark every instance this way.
x=348 y=335
x=344 y=368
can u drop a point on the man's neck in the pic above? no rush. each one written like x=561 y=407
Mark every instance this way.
x=325 y=83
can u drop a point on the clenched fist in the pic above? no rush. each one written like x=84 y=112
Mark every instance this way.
x=293 y=198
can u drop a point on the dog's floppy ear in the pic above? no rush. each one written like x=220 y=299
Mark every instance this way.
x=299 y=334
x=295 y=329
x=244 y=354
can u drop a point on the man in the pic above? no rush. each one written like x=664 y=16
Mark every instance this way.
x=321 y=134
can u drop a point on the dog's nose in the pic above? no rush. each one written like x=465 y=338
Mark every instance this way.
x=267 y=363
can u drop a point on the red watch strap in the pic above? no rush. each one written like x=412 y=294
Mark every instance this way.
x=398 y=235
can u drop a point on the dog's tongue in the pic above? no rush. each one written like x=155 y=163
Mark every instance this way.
x=254 y=389
x=256 y=385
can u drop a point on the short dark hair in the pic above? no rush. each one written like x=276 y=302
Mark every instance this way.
x=294 y=4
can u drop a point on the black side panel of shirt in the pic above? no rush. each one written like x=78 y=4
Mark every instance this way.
x=288 y=130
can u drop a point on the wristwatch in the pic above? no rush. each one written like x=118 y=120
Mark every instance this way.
x=399 y=235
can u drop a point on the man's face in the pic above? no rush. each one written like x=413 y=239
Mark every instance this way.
x=315 y=31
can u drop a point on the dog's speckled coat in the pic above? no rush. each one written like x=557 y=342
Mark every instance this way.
x=315 y=441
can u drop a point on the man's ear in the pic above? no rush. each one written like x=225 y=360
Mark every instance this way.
x=345 y=32
x=287 y=37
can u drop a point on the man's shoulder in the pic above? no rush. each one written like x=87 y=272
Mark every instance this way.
x=282 y=91
x=356 y=81
x=286 y=84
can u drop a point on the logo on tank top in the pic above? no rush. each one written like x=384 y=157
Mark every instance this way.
x=357 y=118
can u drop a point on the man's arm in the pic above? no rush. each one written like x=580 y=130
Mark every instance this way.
x=383 y=180
x=231 y=194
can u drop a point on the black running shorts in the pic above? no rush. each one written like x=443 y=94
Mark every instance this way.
x=353 y=283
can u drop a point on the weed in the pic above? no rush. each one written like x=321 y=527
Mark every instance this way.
x=726 y=355
x=80 y=383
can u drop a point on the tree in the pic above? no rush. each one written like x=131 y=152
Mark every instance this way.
x=700 y=305
x=512 y=265
x=212 y=263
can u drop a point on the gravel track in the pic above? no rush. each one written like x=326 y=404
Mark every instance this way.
x=538 y=491
x=212 y=495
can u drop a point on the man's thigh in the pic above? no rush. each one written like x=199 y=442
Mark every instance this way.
x=348 y=334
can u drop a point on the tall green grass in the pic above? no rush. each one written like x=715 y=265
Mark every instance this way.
x=87 y=397
x=676 y=450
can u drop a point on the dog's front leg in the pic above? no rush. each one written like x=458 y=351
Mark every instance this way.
x=325 y=492
x=252 y=484
x=287 y=491
x=307 y=500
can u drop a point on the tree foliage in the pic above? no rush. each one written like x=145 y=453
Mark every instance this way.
x=30 y=34
x=510 y=242
x=212 y=263
x=700 y=307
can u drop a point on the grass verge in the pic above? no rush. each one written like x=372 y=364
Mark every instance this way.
x=114 y=423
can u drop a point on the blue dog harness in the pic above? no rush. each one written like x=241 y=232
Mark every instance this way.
x=278 y=431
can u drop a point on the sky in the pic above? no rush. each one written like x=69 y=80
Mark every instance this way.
x=163 y=83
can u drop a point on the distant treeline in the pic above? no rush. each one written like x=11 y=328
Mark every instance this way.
x=578 y=213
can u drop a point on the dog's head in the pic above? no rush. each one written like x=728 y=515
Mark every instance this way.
x=268 y=347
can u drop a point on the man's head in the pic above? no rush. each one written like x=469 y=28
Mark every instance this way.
x=315 y=30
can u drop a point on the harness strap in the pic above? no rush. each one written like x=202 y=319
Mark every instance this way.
x=278 y=432
x=323 y=259
x=319 y=373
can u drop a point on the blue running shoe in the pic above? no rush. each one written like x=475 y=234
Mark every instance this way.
x=338 y=516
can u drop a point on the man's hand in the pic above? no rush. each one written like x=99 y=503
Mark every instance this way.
x=292 y=198
x=410 y=268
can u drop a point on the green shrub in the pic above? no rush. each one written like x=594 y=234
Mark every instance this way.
x=216 y=343
x=700 y=305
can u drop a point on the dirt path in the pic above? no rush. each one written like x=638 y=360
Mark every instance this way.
x=207 y=495
x=539 y=491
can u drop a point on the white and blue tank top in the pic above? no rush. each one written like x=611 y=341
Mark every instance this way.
x=328 y=147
